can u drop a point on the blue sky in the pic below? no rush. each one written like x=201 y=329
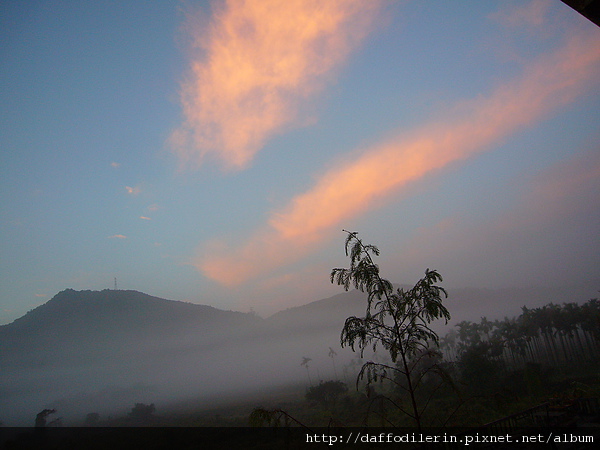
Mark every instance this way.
x=212 y=152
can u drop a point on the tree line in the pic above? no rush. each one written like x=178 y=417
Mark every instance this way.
x=551 y=335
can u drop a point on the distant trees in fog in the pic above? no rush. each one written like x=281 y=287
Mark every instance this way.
x=142 y=413
x=326 y=393
x=548 y=336
x=41 y=417
x=304 y=363
x=551 y=335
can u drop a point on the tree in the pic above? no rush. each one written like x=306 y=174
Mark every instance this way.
x=40 y=419
x=332 y=355
x=326 y=392
x=92 y=419
x=397 y=320
x=142 y=413
x=479 y=371
x=304 y=363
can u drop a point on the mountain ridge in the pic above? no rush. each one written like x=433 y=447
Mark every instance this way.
x=72 y=299
x=83 y=344
x=109 y=323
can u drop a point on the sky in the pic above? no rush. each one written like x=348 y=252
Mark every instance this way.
x=213 y=152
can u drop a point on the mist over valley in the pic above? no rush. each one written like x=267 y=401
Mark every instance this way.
x=104 y=351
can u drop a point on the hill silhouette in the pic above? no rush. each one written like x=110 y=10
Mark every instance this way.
x=114 y=343
x=103 y=351
x=83 y=324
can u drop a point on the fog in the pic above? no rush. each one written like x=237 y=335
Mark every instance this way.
x=103 y=352
x=78 y=371
x=166 y=375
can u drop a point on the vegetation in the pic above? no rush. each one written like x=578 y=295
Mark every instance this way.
x=92 y=419
x=397 y=320
x=500 y=367
x=541 y=340
x=304 y=363
x=326 y=393
x=40 y=419
x=332 y=354
x=142 y=413
x=477 y=373
x=487 y=370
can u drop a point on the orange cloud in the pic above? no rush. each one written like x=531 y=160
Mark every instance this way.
x=133 y=190
x=350 y=190
x=260 y=61
x=117 y=236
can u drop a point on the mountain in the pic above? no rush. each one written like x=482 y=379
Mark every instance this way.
x=89 y=323
x=100 y=342
x=103 y=351
x=321 y=314
x=463 y=303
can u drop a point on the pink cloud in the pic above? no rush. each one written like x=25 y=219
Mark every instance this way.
x=383 y=170
x=260 y=62
x=133 y=190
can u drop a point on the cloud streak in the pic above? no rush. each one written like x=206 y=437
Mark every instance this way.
x=551 y=82
x=553 y=221
x=133 y=190
x=260 y=61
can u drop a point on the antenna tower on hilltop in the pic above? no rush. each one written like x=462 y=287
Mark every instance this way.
x=115 y=283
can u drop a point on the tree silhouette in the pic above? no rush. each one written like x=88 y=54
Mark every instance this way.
x=398 y=320
x=92 y=419
x=40 y=419
x=332 y=355
x=326 y=392
x=551 y=335
x=304 y=363
x=142 y=413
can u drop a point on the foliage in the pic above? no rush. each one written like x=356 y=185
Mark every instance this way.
x=326 y=392
x=548 y=336
x=332 y=354
x=478 y=371
x=277 y=417
x=40 y=418
x=92 y=419
x=397 y=320
x=304 y=363
x=142 y=413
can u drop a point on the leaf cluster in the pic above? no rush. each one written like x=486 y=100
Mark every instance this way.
x=398 y=320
